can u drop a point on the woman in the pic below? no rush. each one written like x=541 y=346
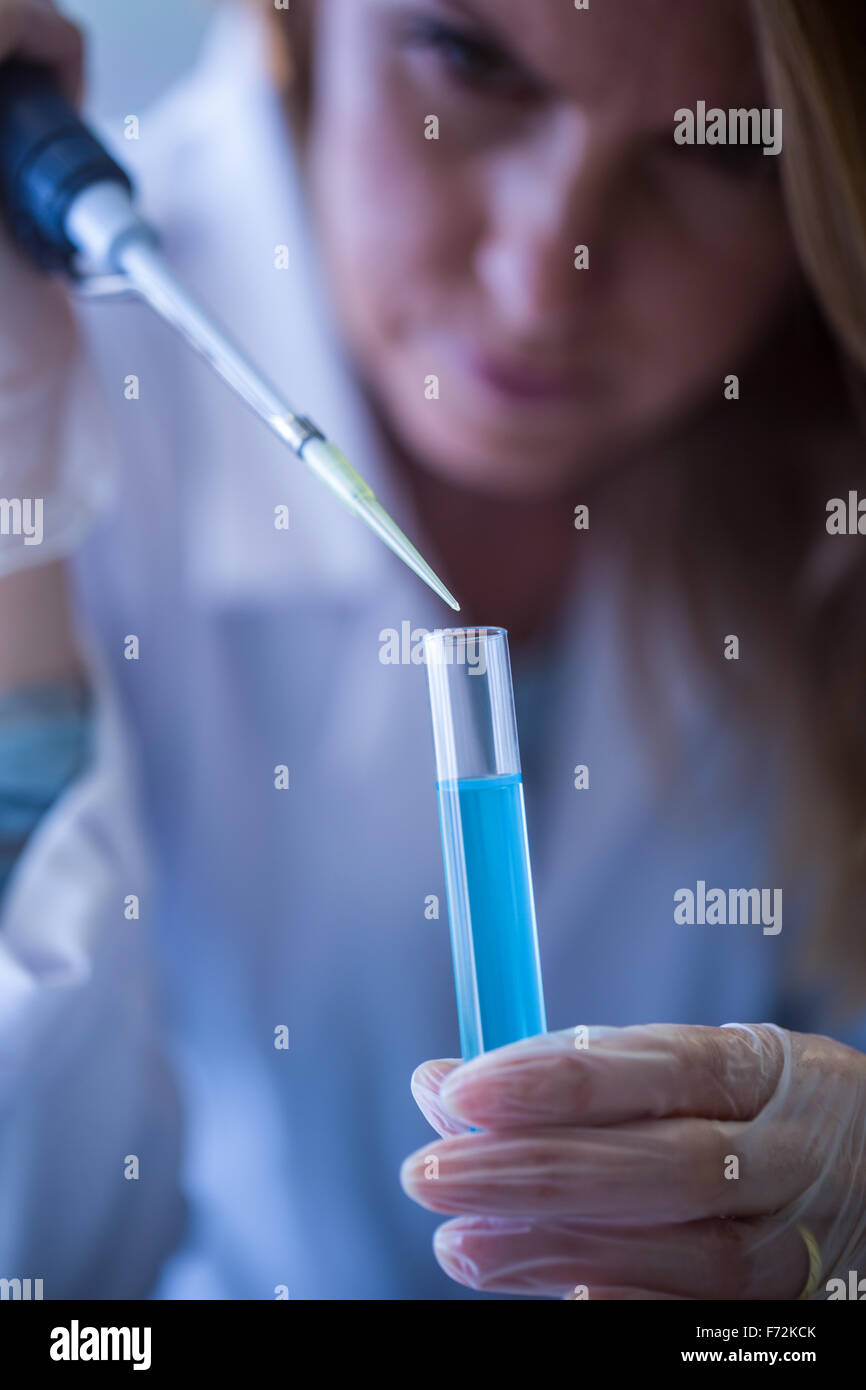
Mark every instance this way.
x=236 y=1029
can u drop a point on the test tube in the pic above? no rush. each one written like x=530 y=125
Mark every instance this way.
x=488 y=881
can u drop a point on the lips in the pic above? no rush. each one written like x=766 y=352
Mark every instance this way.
x=522 y=380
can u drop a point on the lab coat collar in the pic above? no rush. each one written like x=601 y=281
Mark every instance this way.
x=227 y=189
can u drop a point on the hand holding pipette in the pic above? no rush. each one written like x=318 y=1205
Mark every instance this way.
x=70 y=207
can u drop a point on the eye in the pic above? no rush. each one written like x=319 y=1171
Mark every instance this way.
x=735 y=162
x=469 y=60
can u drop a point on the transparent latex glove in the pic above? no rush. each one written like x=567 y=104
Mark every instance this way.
x=657 y=1162
x=52 y=426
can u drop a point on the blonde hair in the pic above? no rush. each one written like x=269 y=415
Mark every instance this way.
x=815 y=58
x=743 y=546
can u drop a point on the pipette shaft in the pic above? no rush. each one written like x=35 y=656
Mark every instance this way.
x=70 y=207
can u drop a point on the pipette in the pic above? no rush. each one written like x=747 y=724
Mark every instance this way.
x=71 y=208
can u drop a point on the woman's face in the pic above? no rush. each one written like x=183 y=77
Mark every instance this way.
x=454 y=257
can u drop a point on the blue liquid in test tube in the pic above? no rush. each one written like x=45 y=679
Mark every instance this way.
x=484 y=842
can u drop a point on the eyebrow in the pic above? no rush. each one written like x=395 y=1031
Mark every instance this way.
x=460 y=5
x=467 y=10
x=486 y=27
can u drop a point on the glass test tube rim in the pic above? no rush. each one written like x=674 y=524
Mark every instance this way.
x=464 y=634
x=465 y=631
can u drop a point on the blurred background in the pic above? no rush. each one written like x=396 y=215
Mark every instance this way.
x=137 y=50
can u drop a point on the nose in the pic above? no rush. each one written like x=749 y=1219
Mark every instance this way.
x=546 y=197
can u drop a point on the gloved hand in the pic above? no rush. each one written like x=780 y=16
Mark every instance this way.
x=657 y=1162
x=43 y=373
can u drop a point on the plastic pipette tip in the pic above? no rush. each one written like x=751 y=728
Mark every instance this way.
x=331 y=465
x=372 y=511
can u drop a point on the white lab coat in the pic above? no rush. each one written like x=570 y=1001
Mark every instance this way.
x=260 y=1167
